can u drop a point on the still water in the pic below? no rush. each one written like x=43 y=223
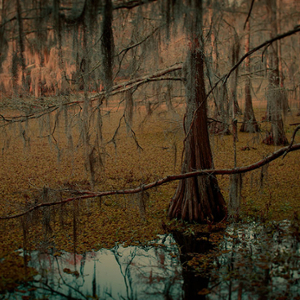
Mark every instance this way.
x=117 y=273
x=253 y=262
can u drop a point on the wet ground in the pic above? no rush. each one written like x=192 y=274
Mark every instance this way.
x=253 y=262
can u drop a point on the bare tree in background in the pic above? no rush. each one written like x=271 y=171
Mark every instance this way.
x=274 y=95
x=104 y=48
x=249 y=122
x=285 y=104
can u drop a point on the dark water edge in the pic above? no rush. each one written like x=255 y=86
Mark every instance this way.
x=134 y=272
x=254 y=262
x=258 y=262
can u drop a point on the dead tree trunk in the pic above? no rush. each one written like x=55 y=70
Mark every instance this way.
x=235 y=56
x=21 y=47
x=199 y=198
x=221 y=109
x=249 y=122
x=274 y=97
x=285 y=103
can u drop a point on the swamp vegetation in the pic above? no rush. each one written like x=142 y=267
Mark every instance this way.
x=138 y=131
x=31 y=176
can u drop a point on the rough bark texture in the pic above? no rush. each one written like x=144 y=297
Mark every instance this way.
x=199 y=198
x=249 y=122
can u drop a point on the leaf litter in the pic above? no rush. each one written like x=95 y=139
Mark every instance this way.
x=103 y=223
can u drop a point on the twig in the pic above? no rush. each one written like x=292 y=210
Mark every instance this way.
x=292 y=141
x=266 y=43
x=249 y=13
x=167 y=179
x=118 y=88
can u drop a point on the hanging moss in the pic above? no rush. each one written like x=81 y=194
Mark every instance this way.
x=3 y=46
x=128 y=109
x=92 y=13
x=107 y=44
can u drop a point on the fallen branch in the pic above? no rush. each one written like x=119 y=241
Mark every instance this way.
x=88 y=194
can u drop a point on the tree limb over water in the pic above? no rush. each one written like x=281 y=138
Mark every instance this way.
x=88 y=194
x=264 y=44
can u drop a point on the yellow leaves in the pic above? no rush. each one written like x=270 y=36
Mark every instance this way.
x=193 y=262
x=114 y=221
x=68 y=271
x=204 y=291
x=12 y=272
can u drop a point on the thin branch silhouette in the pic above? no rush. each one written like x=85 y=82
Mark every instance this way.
x=88 y=194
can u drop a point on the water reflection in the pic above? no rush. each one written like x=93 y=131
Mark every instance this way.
x=258 y=262
x=118 y=273
x=254 y=262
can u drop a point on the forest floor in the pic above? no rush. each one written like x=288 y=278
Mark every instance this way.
x=37 y=166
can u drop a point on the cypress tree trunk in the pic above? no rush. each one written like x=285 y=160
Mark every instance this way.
x=199 y=198
x=21 y=41
x=234 y=60
x=249 y=122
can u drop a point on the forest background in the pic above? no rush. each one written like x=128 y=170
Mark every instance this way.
x=93 y=98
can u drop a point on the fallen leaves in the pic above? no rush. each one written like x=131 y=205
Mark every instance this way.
x=117 y=219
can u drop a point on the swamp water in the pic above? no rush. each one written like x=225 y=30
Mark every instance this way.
x=253 y=262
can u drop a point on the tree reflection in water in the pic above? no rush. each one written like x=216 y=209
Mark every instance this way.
x=254 y=262
x=258 y=261
x=118 y=273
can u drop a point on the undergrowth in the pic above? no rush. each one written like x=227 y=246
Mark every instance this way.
x=30 y=167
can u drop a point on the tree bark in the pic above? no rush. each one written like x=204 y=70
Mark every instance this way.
x=274 y=96
x=285 y=103
x=221 y=109
x=197 y=199
x=235 y=56
x=249 y=122
x=21 y=42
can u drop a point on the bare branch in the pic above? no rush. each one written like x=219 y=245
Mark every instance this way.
x=118 y=88
x=292 y=141
x=129 y=4
x=139 y=42
x=131 y=83
x=265 y=44
x=249 y=13
x=170 y=178
x=24 y=118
